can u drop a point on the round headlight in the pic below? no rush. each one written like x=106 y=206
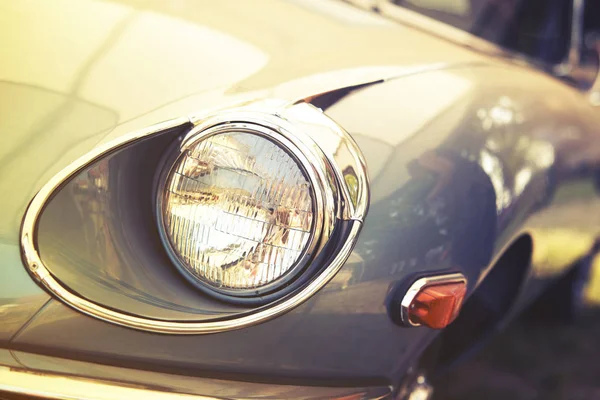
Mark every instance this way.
x=239 y=211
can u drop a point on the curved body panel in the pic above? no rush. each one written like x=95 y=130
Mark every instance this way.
x=465 y=154
x=447 y=196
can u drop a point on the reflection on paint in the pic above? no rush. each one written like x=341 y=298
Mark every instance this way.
x=14 y=312
x=510 y=150
x=92 y=197
x=591 y=291
x=522 y=179
x=492 y=166
x=107 y=59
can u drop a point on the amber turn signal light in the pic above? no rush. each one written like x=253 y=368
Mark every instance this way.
x=434 y=301
x=437 y=306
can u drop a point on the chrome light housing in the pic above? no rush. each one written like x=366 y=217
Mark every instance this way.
x=250 y=198
x=278 y=190
x=239 y=210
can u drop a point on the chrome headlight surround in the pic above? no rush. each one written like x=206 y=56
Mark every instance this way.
x=332 y=155
x=313 y=164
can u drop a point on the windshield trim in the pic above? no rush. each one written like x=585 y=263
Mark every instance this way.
x=458 y=36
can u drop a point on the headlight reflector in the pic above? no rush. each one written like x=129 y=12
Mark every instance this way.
x=239 y=212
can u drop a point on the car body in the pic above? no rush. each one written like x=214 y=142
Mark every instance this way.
x=479 y=161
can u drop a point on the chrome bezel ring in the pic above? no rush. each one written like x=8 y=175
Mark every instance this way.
x=333 y=160
x=322 y=199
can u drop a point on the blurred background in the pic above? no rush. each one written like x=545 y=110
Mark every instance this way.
x=536 y=357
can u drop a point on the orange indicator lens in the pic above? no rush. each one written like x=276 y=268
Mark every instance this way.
x=437 y=306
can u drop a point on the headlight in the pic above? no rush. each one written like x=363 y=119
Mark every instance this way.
x=238 y=211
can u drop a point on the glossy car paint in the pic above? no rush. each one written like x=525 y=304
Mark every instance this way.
x=465 y=155
x=91 y=80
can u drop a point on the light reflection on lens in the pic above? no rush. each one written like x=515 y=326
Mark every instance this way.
x=238 y=210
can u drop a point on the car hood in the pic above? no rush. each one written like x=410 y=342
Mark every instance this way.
x=76 y=73
x=129 y=58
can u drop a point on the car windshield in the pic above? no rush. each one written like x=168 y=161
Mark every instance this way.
x=539 y=29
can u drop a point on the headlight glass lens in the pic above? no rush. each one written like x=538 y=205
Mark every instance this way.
x=237 y=211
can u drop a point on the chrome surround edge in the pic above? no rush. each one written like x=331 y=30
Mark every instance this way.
x=52 y=377
x=35 y=265
x=61 y=386
x=419 y=284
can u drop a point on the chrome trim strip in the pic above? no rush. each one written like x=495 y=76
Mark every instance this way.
x=36 y=267
x=443 y=30
x=55 y=386
x=57 y=378
x=463 y=38
x=416 y=287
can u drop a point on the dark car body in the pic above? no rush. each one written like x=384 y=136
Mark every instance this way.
x=479 y=163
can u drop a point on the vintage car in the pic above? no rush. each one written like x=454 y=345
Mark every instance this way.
x=286 y=199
